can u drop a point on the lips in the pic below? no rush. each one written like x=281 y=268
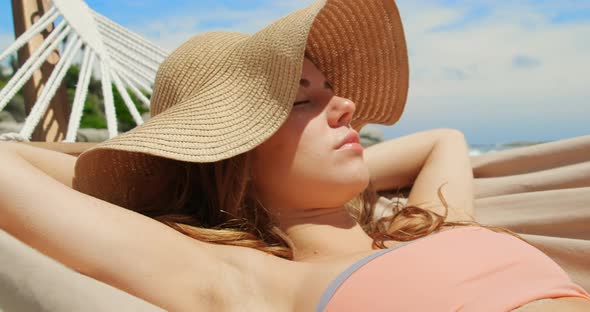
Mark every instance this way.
x=351 y=137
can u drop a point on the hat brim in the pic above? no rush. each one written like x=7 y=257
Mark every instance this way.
x=242 y=101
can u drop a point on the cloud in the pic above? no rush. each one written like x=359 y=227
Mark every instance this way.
x=170 y=31
x=572 y=16
x=485 y=52
x=470 y=61
x=525 y=62
x=475 y=74
x=454 y=73
x=480 y=65
x=469 y=16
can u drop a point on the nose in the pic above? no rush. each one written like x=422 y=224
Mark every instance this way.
x=340 y=111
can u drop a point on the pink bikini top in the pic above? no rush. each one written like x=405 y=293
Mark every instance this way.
x=464 y=268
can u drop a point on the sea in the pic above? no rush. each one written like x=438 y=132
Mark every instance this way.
x=371 y=135
x=478 y=149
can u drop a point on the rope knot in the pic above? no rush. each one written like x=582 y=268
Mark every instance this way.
x=13 y=136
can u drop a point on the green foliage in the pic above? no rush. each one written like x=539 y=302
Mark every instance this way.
x=3 y=79
x=126 y=121
x=93 y=113
x=14 y=62
x=71 y=78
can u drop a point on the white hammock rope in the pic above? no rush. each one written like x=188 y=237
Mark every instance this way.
x=134 y=78
x=125 y=59
x=129 y=77
x=109 y=104
x=113 y=38
x=36 y=28
x=128 y=102
x=13 y=137
x=144 y=58
x=139 y=94
x=32 y=64
x=81 y=94
x=57 y=75
x=134 y=69
x=130 y=36
x=131 y=55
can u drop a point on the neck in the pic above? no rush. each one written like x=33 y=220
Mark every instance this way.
x=323 y=233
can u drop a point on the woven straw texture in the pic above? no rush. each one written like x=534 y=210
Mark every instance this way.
x=221 y=94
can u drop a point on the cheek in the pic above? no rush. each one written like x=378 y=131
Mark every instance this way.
x=301 y=157
x=273 y=158
x=280 y=150
x=288 y=159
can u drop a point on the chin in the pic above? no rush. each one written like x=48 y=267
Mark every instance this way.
x=333 y=190
x=362 y=183
x=354 y=183
x=358 y=175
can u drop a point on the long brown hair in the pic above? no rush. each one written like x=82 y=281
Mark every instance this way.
x=407 y=222
x=216 y=203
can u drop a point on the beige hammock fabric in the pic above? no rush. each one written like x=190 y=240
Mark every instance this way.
x=540 y=191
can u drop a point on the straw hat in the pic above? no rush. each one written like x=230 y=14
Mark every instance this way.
x=221 y=94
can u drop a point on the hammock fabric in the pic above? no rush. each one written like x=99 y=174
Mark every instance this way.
x=540 y=191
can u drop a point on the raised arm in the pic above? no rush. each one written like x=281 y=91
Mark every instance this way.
x=426 y=160
x=117 y=246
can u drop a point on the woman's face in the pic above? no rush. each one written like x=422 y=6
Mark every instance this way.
x=314 y=160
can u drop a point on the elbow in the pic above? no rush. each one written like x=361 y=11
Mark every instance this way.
x=450 y=132
x=452 y=139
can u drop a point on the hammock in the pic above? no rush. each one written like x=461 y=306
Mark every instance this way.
x=124 y=58
x=541 y=192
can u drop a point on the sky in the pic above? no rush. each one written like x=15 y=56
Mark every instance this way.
x=499 y=71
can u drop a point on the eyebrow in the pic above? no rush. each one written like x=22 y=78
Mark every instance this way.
x=305 y=83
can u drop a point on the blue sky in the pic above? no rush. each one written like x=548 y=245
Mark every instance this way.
x=499 y=71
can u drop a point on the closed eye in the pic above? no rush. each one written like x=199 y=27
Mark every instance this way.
x=300 y=102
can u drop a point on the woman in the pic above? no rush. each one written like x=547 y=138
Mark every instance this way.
x=252 y=161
